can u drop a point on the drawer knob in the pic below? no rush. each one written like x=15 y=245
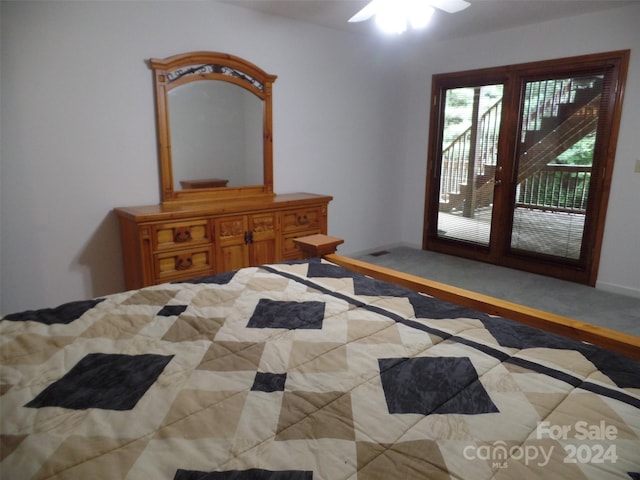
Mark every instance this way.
x=303 y=220
x=184 y=262
x=182 y=234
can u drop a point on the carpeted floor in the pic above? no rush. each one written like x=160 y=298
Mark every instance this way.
x=595 y=306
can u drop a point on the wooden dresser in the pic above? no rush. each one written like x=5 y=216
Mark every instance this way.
x=226 y=216
x=162 y=243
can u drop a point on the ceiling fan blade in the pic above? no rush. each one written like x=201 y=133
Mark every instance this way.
x=450 y=6
x=367 y=12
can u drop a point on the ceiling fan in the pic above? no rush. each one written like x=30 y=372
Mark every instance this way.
x=394 y=15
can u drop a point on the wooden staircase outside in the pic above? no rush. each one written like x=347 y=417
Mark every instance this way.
x=557 y=116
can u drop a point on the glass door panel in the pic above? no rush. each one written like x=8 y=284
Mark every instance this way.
x=520 y=163
x=468 y=162
x=554 y=161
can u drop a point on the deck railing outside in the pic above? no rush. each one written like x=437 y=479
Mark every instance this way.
x=560 y=188
x=455 y=158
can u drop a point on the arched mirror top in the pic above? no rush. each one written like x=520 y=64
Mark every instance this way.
x=214 y=122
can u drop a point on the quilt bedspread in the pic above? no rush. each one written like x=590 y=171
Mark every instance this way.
x=305 y=371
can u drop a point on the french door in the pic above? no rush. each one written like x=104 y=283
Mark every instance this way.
x=520 y=163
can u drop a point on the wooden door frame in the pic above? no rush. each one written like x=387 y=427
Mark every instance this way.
x=513 y=77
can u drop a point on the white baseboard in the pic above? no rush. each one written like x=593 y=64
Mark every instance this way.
x=619 y=289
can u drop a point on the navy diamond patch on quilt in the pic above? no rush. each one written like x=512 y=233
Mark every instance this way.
x=428 y=385
x=269 y=382
x=327 y=270
x=429 y=307
x=106 y=381
x=287 y=314
x=372 y=287
x=509 y=333
x=171 y=310
x=66 y=313
x=622 y=370
x=251 y=474
x=362 y=285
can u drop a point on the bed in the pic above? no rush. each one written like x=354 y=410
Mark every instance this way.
x=325 y=368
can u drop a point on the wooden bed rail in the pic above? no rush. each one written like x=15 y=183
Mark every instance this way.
x=626 y=344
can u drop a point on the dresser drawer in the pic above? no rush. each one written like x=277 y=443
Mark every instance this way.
x=171 y=242
x=187 y=263
x=180 y=234
x=301 y=219
x=291 y=251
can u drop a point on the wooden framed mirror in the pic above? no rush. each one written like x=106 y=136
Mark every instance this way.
x=214 y=124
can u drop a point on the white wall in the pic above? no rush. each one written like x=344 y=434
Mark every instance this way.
x=78 y=136
x=615 y=29
x=350 y=120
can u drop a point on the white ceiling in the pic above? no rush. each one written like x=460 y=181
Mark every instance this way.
x=482 y=16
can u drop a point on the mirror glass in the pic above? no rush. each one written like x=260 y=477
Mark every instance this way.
x=216 y=135
x=214 y=121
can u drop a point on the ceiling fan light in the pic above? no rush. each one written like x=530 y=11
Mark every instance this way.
x=390 y=19
x=419 y=14
x=391 y=25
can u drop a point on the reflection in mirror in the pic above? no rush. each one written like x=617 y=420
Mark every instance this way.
x=216 y=135
x=214 y=127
